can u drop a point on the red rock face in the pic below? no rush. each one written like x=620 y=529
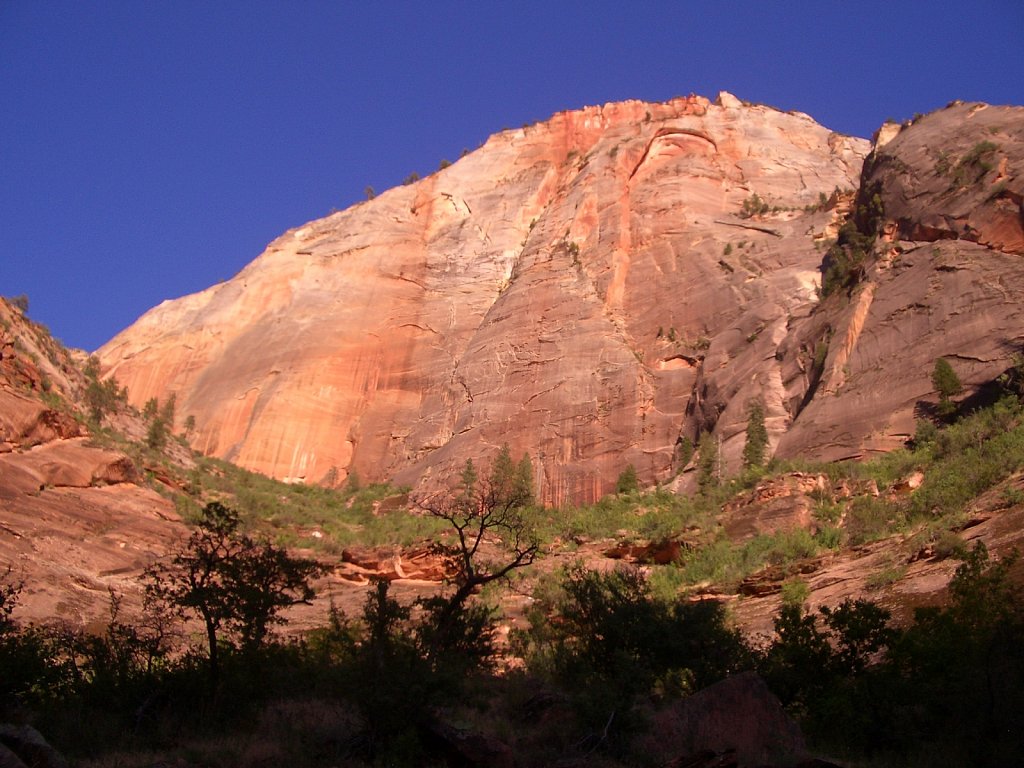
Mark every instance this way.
x=73 y=523
x=583 y=289
x=948 y=282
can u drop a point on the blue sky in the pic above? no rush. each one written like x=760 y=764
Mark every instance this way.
x=149 y=149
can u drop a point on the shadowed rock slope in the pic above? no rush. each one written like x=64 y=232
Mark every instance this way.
x=946 y=279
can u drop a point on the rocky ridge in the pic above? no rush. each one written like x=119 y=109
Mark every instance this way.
x=946 y=280
x=75 y=520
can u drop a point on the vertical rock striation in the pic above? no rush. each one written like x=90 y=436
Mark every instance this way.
x=584 y=289
x=946 y=280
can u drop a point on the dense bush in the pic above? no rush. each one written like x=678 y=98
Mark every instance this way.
x=609 y=642
x=947 y=690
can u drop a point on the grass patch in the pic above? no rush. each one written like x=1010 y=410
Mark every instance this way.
x=724 y=563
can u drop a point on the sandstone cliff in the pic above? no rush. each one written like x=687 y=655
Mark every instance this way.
x=75 y=520
x=584 y=289
x=947 y=280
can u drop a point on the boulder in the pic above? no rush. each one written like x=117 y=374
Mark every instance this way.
x=738 y=718
x=29 y=746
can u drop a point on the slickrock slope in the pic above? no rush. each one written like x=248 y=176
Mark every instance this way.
x=583 y=289
x=948 y=282
x=74 y=523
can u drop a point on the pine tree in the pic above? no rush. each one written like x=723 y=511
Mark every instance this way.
x=708 y=472
x=757 y=437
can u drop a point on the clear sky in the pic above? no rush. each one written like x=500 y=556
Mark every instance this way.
x=151 y=148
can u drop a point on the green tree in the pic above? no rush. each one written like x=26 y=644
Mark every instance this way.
x=947 y=384
x=708 y=469
x=524 y=479
x=388 y=674
x=512 y=481
x=101 y=397
x=231 y=581
x=757 y=436
x=610 y=641
x=156 y=434
x=628 y=481
x=167 y=411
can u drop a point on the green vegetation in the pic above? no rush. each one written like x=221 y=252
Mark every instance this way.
x=479 y=509
x=845 y=260
x=628 y=481
x=974 y=164
x=709 y=468
x=947 y=384
x=608 y=648
x=921 y=695
x=19 y=302
x=795 y=592
x=101 y=397
x=231 y=581
x=754 y=206
x=312 y=516
x=723 y=563
x=757 y=436
x=608 y=641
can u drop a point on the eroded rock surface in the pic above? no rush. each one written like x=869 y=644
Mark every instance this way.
x=74 y=522
x=948 y=282
x=573 y=288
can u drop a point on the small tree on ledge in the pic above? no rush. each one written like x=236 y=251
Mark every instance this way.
x=947 y=384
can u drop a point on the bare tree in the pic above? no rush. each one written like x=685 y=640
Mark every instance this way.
x=479 y=510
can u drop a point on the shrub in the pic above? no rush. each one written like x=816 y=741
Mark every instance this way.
x=947 y=384
x=974 y=164
x=795 y=592
x=628 y=481
x=610 y=641
x=754 y=206
x=19 y=302
x=869 y=518
x=811 y=654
